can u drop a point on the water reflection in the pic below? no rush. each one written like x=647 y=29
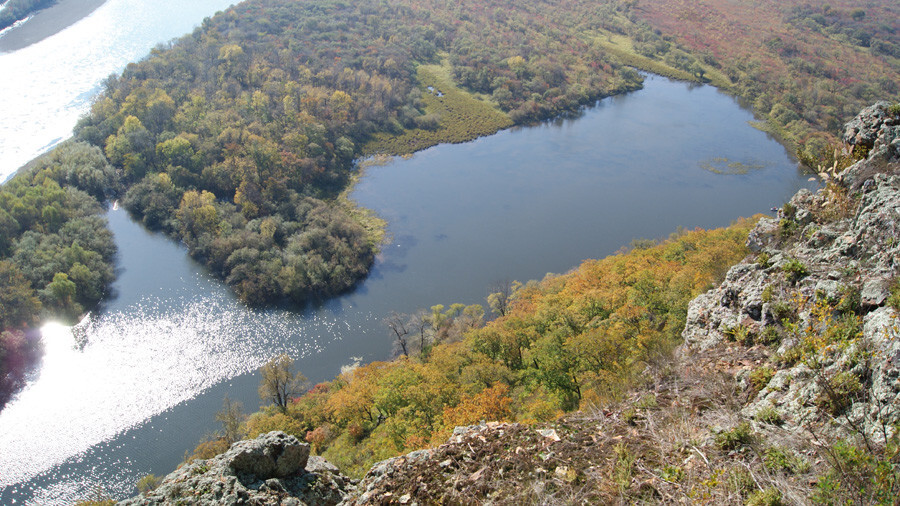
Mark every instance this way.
x=139 y=358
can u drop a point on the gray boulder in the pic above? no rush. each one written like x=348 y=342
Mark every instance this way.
x=272 y=455
x=272 y=469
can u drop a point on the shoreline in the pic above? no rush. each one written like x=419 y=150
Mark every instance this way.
x=47 y=22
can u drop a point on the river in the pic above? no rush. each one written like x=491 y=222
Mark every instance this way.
x=172 y=342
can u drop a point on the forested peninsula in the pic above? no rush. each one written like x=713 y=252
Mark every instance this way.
x=238 y=138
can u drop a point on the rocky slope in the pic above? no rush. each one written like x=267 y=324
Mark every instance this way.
x=817 y=294
x=786 y=390
x=274 y=468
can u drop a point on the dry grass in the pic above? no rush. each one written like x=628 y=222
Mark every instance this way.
x=662 y=445
x=622 y=48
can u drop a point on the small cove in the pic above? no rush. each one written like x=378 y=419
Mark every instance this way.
x=515 y=205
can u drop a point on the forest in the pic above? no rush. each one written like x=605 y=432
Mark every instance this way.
x=238 y=139
x=805 y=68
x=56 y=252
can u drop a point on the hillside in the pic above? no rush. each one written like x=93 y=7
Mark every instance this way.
x=784 y=390
x=804 y=67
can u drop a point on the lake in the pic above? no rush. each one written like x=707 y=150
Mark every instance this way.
x=164 y=352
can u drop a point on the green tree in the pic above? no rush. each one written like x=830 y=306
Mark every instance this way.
x=278 y=383
x=61 y=293
x=231 y=417
x=18 y=304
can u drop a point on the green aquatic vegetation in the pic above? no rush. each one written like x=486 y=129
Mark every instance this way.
x=725 y=167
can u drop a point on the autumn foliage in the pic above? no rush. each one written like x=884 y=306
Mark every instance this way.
x=572 y=341
x=805 y=67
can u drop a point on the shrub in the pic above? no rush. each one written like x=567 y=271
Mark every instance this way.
x=843 y=329
x=769 y=336
x=791 y=356
x=740 y=480
x=894 y=110
x=768 y=497
x=738 y=437
x=859 y=476
x=839 y=392
x=794 y=270
x=780 y=459
x=265 y=422
x=768 y=293
x=789 y=210
x=894 y=299
x=647 y=401
x=740 y=333
x=787 y=228
x=148 y=483
x=672 y=473
x=318 y=438
x=760 y=377
x=850 y=300
x=208 y=450
x=769 y=415
x=783 y=311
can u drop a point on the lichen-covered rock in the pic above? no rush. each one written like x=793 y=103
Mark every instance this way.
x=273 y=469
x=272 y=455
x=864 y=129
x=818 y=262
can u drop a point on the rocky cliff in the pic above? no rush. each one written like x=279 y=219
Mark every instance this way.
x=816 y=296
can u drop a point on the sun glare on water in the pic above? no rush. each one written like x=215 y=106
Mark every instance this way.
x=131 y=367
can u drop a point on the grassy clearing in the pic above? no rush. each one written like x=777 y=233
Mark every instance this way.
x=622 y=48
x=463 y=116
x=374 y=225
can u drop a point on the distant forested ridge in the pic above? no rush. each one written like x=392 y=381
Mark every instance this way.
x=236 y=139
x=16 y=10
x=56 y=252
x=804 y=67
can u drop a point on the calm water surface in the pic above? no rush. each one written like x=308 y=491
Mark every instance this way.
x=165 y=351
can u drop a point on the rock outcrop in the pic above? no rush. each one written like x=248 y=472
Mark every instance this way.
x=816 y=293
x=273 y=469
